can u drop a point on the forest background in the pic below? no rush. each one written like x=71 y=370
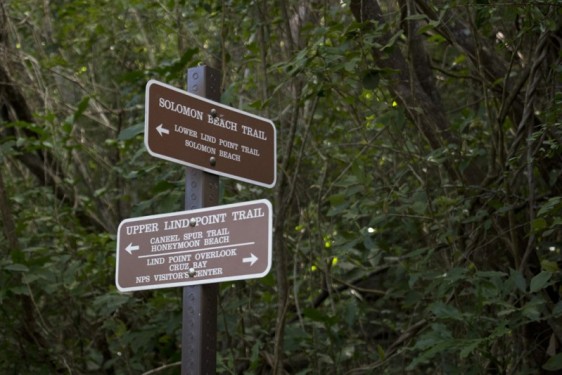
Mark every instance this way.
x=417 y=207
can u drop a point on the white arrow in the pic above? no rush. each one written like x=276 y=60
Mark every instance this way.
x=130 y=248
x=251 y=259
x=162 y=130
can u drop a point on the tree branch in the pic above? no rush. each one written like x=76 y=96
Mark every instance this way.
x=14 y=107
x=420 y=107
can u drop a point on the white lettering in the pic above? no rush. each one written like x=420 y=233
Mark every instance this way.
x=142 y=279
x=176 y=224
x=208 y=138
x=252 y=213
x=250 y=150
x=179 y=267
x=210 y=219
x=200 y=147
x=201 y=264
x=164 y=239
x=179 y=258
x=171 y=276
x=219 y=121
x=259 y=134
x=228 y=144
x=180 y=108
x=215 y=254
x=142 y=228
x=175 y=245
x=229 y=155
x=209 y=272
x=218 y=232
x=216 y=240
x=154 y=261
x=194 y=235
x=184 y=130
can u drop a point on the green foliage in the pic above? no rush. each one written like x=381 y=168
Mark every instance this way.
x=395 y=253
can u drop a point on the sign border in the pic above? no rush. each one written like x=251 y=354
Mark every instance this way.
x=219 y=105
x=195 y=281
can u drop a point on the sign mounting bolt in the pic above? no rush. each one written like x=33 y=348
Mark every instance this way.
x=212 y=161
x=191 y=272
x=214 y=112
x=192 y=222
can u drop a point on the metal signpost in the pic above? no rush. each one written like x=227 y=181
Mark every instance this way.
x=204 y=245
x=199 y=305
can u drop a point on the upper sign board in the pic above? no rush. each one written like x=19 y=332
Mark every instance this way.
x=208 y=245
x=188 y=129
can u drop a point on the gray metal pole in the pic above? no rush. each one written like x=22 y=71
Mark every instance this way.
x=199 y=321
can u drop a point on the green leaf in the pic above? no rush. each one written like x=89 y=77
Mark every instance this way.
x=107 y=304
x=444 y=311
x=371 y=79
x=540 y=281
x=429 y=26
x=532 y=309
x=490 y=274
x=554 y=363
x=518 y=280
x=392 y=40
x=131 y=132
x=557 y=310
x=549 y=206
x=20 y=290
x=178 y=65
x=538 y=224
x=416 y=17
x=469 y=346
x=380 y=352
x=162 y=186
x=435 y=349
x=317 y=316
x=81 y=107
x=17 y=267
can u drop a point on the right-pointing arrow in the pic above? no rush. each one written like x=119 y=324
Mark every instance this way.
x=130 y=248
x=251 y=259
x=162 y=130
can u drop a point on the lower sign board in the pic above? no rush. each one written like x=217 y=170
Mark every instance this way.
x=208 y=245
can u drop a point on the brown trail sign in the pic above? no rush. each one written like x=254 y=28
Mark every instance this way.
x=201 y=247
x=194 y=131
x=208 y=245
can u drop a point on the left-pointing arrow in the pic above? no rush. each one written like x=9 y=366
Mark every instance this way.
x=130 y=248
x=162 y=130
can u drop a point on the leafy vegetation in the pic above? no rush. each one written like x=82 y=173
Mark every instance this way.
x=418 y=202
